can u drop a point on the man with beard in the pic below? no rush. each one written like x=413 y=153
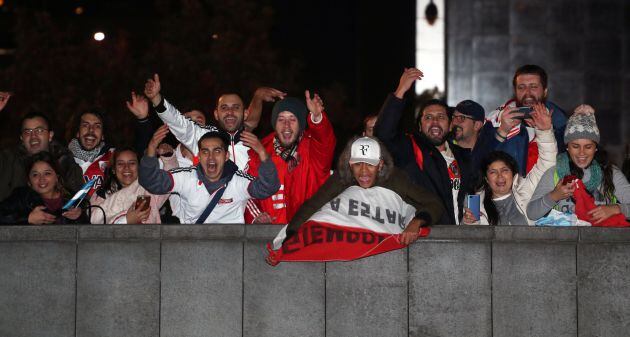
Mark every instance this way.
x=468 y=119
x=427 y=156
x=89 y=148
x=507 y=133
x=36 y=135
x=302 y=155
x=230 y=114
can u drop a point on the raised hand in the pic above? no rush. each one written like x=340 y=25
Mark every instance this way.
x=509 y=120
x=39 y=216
x=541 y=117
x=267 y=94
x=4 y=99
x=139 y=106
x=152 y=90
x=250 y=140
x=155 y=141
x=315 y=105
x=409 y=76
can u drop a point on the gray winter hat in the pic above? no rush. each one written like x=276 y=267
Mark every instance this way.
x=582 y=125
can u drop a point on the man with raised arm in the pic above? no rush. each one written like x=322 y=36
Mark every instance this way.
x=430 y=160
x=213 y=191
x=229 y=113
x=302 y=147
x=510 y=130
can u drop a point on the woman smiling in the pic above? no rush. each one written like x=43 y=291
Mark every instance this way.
x=41 y=202
x=584 y=160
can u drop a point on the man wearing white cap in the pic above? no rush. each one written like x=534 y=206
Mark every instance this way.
x=367 y=163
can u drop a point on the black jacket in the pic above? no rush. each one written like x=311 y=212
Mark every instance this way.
x=434 y=175
x=16 y=208
x=13 y=168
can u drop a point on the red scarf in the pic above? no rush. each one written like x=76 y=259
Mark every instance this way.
x=584 y=202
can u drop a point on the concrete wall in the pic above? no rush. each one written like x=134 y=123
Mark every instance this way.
x=213 y=281
x=583 y=44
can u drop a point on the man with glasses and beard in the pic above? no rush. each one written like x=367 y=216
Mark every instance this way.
x=466 y=123
x=89 y=148
x=508 y=133
x=427 y=156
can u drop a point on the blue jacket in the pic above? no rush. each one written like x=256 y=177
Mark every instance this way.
x=518 y=145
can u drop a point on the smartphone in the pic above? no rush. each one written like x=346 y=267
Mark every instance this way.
x=144 y=201
x=472 y=203
x=526 y=111
x=567 y=179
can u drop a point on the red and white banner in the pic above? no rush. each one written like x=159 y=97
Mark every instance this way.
x=357 y=223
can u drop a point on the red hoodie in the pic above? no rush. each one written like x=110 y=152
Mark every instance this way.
x=315 y=152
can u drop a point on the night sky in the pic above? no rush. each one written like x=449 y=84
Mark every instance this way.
x=356 y=49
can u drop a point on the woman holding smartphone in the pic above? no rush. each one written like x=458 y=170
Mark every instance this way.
x=587 y=162
x=504 y=194
x=122 y=200
x=41 y=202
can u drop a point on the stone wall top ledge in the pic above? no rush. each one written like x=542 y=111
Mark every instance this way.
x=268 y=232
x=38 y=233
x=119 y=232
x=604 y=234
x=202 y=232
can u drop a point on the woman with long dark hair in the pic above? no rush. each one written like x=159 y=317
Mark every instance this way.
x=584 y=160
x=504 y=193
x=120 y=191
x=41 y=201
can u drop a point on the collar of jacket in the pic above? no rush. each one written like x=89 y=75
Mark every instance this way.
x=236 y=137
x=425 y=144
x=229 y=169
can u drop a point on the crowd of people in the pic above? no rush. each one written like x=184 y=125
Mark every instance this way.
x=527 y=162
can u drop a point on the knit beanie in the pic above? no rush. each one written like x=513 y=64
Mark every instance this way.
x=292 y=105
x=582 y=125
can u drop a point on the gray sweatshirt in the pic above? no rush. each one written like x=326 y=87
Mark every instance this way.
x=542 y=203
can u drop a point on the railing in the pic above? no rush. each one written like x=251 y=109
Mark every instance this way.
x=212 y=280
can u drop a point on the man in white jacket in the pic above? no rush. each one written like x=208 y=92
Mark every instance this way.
x=230 y=113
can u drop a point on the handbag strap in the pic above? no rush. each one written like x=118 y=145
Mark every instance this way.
x=211 y=205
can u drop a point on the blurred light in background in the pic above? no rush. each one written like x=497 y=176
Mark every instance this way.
x=99 y=36
x=430 y=52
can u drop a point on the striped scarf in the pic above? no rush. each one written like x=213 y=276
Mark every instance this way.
x=290 y=155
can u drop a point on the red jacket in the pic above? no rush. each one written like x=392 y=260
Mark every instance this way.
x=315 y=152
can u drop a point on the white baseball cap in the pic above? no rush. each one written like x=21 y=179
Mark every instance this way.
x=365 y=150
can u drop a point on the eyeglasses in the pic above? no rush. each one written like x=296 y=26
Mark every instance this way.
x=461 y=118
x=36 y=131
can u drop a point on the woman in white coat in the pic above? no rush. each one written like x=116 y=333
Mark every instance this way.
x=504 y=194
